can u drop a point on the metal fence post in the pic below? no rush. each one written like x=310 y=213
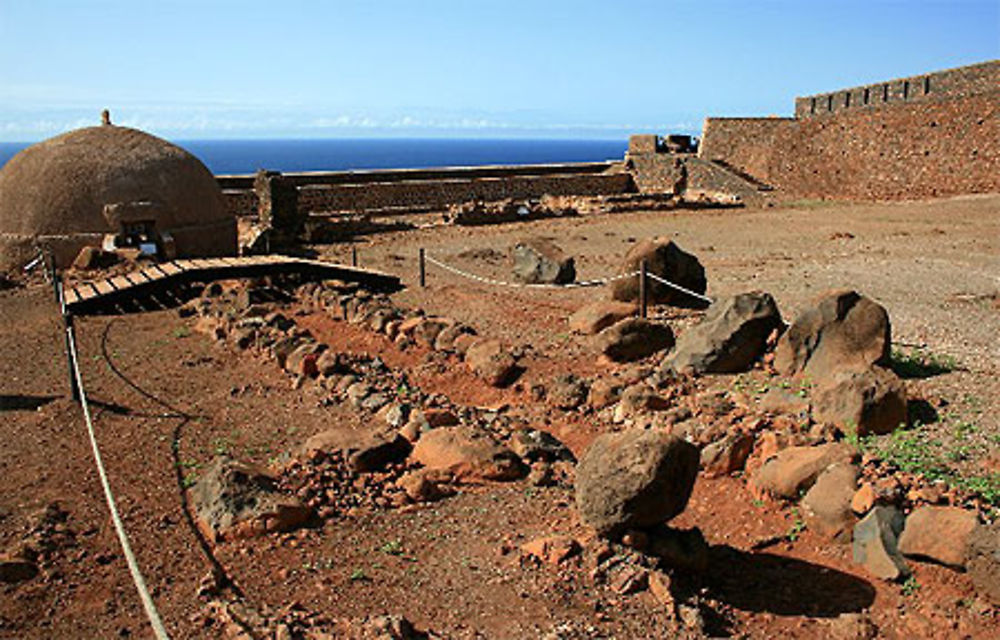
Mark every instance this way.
x=643 y=289
x=423 y=269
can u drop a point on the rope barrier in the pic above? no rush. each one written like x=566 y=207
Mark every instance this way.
x=501 y=283
x=133 y=566
x=679 y=287
x=572 y=285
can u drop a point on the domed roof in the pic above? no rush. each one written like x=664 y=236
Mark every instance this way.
x=61 y=186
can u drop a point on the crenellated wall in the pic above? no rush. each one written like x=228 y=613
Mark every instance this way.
x=942 y=141
x=961 y=82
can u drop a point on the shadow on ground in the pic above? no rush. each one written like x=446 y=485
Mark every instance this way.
x=774 y=584
x=19 y=402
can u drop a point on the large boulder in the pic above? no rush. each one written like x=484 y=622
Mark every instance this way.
x=468 y=453
x=634 y=339
x=940 y=534
x=540 y=261
x=841 y=330
x=732 y=336
x=600 y=315
x=665 y=259
x=232 y=499
x=864 y=401
x=635 y=478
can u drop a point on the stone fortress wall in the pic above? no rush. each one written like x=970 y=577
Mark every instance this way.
x=936 y=134
x=931 y=135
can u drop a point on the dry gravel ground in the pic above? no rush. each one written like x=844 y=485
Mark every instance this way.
x=934 y=265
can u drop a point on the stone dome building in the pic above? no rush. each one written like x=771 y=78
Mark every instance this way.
x=112 y=184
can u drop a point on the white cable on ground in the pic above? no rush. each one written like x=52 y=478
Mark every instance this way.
x=501 y=283
x=679 y=288
x=140 y=584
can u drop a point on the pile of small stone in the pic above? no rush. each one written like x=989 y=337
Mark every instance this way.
x=327 y=483
x=237 y=619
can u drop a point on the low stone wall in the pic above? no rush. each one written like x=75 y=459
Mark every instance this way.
x=440 y=193
x=241 y=202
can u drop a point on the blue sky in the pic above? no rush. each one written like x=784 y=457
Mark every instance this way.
x=421 y=68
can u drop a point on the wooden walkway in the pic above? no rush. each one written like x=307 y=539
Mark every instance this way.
x=88 y=296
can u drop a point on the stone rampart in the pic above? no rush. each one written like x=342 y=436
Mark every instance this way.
x=939 y=143
x=962 y=82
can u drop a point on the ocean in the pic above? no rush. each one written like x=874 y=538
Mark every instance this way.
x=246 y=156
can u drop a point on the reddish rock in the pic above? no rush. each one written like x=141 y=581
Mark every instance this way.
x=795 y=469
x=365 y=451
x=865 y=401
x=940 y=534
x=863 y=499
x=982 y=561
x=488 y=359
x=426 y=331
x=603 y=393
x=826 y=507
x=552 y=549
x=597 y=316
x=842 y=330
x=727 y=455
x=659 y=586
x=407 y=326
x=426 y=485
x=463 y=341
x=470 y=454
x=445 y=340
x=668 y=261
x=637 y=399
x=634 y=339
x=302 y=360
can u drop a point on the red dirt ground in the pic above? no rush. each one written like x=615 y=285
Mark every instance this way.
x=932 y=264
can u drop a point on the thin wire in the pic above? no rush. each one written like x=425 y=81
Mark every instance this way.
x=133 y=566
x=501 y=283
x=679 y=287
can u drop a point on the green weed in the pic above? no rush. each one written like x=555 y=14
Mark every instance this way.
x=392 y=547
x=919 y=363
x=797 y=527
x=358 y=575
